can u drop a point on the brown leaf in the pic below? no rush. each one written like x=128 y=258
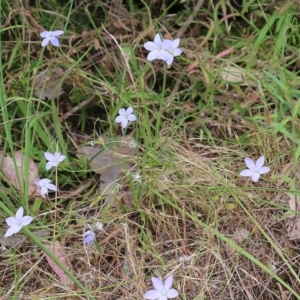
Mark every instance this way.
x=240 y=235
x=47 y=84
x=110 y=160
x=58 y=252
x=294 y=229
x=13 y=171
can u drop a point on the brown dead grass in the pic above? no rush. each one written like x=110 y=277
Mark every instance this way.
x=155 y=239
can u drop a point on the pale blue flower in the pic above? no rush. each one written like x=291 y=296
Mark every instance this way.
x=51 y=36
x=17 y=223
x=172 y=48
x=89 y=236
x=125 y=116
x=163 y=49
x=45 y=185
x=162 y=290
x=53 y=159
x=255 y=169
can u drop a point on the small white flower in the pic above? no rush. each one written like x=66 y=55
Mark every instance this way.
x=255 y=169
x=45 y=185
x=162 y=290
x=16 y=223
x=51 y=36
x=125 y=116
x=163 y=49
x=137 y=177
x=53 y=159
x=156 y=49
x=99 y=226
x=172 y=48
x=89 y=236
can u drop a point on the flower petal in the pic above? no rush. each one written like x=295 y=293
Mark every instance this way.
x=61 y=157
x=51 y=187
x=255 y=177
x=157 y=283
x=152 y=55
x=250 y=163
x=162 y=297
x=89 y=239
x=247 y=173
x=150 y=46
x=11 y=221
x=55 y=41
x=44 y=34
x=164 y=55
x=129 y=110
x=48 y=155
x=172 y=293
x=49 y=165
x=122 y=111
x=153 y=294
x=132 y=118
x=169 y=60
x=19 y=214
x=177 y=52
x=168 y=282
x=57 y=32
x=175 y=43
x=124 y=123
x=45 y=41
x=260 y=162
x=26 y=220
x=157 y=39
x=44 y=191
x=264 y=170
x=119 y=119
x=12 y=230
x=166 y=45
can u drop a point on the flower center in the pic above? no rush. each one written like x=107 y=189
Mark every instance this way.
x=164 y=292
x=19 y=223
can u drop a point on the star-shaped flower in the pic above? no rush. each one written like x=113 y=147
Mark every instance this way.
x=163 y=49
x=89 y=236
x=156 y=49
x=53 y=159
x=45 y=185
x=51 y=36
x=125 y=116
x=255 y=169
x=137 y=177
x=162 y=290
x=17 y=223
x=172 y=48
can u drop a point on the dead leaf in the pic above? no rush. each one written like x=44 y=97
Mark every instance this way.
x=240 y=235
x=13 y=171
x=294 y=229
x=237 y=75
x=47 y=84
x=58 y=251
x=230 y=250
x=110 y=160
x=294 y=204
